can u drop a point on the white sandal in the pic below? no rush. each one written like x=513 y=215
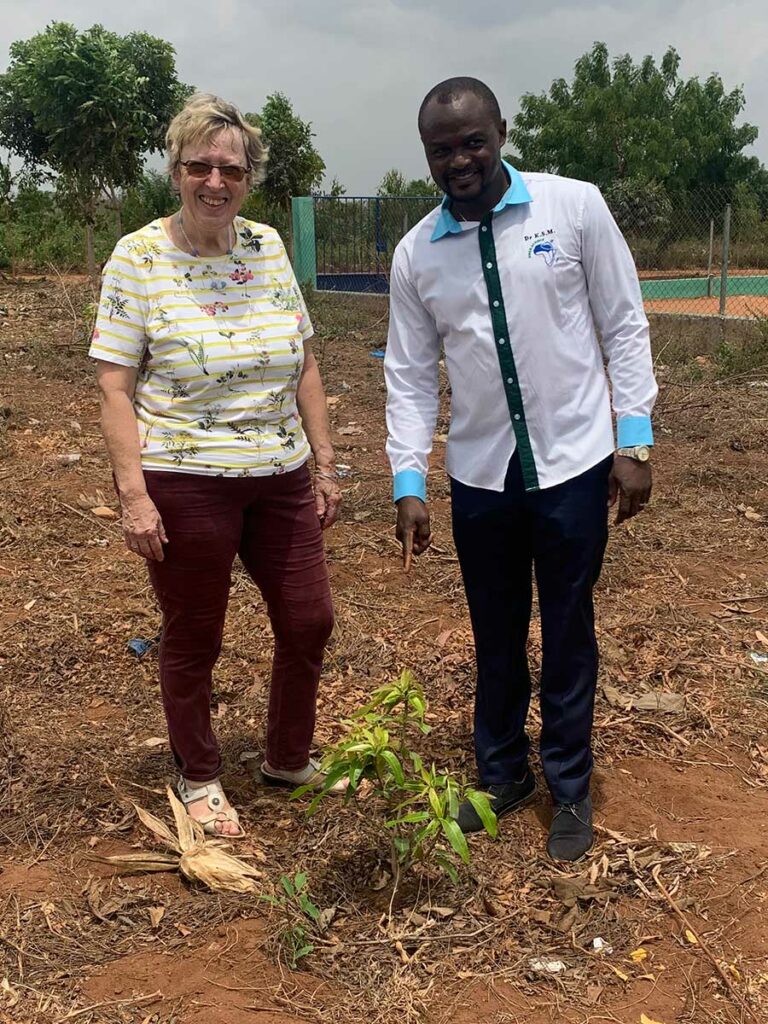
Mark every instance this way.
x=309 y=775
x=216 y=803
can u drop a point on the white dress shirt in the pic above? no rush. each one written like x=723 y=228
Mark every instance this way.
x=516 y=302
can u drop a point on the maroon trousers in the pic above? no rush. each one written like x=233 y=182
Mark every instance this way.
x=271 y=522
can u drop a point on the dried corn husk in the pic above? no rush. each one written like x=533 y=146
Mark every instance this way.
x=199 y=859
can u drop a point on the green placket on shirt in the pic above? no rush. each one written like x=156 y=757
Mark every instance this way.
x=506 y=356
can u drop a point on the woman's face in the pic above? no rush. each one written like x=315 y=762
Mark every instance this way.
x=210 y=204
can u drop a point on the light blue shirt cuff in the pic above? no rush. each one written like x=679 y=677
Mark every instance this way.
x=409 y=483
x=634 y=430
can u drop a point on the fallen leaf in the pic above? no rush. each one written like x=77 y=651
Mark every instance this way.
x=9 y=994
x=325 y=918
x=660 y=700
x=156 y=915
x=184 y=930
x=88 y=501
x=379 y=878
x=618 y=973
x=154 y=741
x=570 y=890
x=30 y=604
x=647 y=1020
x=443 y=912
x=638 y=955
x=104 y=512
x=332 y=399
x=761 y=637
x=345 y=431
x=690 y=937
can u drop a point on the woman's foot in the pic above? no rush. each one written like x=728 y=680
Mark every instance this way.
x=309 y=775
x=206 y=803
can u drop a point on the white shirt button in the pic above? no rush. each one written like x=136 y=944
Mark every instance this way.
x=495 y=302
x=517 y=415
x=501 y=341
x=489 y=265
x=484 y=227
x=510 y=380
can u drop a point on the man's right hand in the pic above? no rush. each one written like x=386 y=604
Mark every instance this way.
x=143 y=528
x=413 y=530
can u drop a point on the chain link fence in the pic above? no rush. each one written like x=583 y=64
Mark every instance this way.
x=703 y=253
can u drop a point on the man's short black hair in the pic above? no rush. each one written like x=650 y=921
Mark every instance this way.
x=453 y=88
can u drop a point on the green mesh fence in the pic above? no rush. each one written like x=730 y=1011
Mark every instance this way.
x=703 y=253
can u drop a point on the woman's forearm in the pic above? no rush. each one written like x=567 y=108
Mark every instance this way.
x=121 y=433
x=310 y=398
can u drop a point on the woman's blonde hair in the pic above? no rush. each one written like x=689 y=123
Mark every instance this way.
x=203 y=116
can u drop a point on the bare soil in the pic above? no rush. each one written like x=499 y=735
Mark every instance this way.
x=676 y=887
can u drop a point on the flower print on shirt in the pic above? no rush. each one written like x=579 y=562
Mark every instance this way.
x=210 y=417
x=250 y=241
x=287 y=437
x=214 y=308
x=197 y=354
x=145 y=250
x=286 y=299
x=241 y=275
x=180 y=444
x=233 y=375
x=116 y=302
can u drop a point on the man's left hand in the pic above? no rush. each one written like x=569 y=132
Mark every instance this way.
x=630 y=481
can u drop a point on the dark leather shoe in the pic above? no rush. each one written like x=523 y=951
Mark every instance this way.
x=503 y=799
x=570 y=834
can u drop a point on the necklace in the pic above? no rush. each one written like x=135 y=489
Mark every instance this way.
x=194 y=251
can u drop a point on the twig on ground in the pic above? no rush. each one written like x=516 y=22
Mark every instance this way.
x=734 y=992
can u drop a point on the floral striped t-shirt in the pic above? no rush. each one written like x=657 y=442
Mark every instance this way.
x=219 y=346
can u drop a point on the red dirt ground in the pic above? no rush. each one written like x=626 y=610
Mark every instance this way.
x=682 y=607
x=736 y=305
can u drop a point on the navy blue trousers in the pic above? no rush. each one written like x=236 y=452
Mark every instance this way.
x=560 y=533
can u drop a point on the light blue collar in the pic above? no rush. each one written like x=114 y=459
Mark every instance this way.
x=516 y=193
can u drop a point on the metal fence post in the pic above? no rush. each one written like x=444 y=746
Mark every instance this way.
x=711 y=255
x=304 y=254
x=724 y=267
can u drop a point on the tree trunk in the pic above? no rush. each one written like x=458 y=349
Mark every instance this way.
x=90 y=256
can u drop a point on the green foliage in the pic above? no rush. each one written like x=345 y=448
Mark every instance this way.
x=88 y=106
x=394 y=183
x=421 y=802
x=618 y=119
x=295 y=167
x=36 y=232
x=151 y=197
x=638 y=206
x=748 y=357
x=301 y=918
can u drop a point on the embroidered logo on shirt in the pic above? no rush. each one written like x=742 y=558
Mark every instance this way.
x=542 y=243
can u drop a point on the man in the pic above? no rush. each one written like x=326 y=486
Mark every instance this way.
x=514 y=276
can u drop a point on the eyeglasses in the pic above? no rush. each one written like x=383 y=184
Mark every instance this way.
x=200 y=169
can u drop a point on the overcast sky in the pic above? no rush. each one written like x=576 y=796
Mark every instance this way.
x=358 y=69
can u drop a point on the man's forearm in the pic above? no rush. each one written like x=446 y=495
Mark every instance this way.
x=310 y=399
x=121 y=434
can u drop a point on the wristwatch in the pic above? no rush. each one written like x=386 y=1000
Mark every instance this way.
x=640 y=452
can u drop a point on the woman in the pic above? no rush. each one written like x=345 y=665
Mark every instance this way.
x=211 y=400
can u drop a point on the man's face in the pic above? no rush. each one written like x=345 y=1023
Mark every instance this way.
x=462 y=142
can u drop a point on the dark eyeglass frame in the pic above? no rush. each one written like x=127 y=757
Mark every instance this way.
x=231 y=172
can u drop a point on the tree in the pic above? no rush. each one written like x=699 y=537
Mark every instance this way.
x=394 y=183
x=295 y=168
x=643 y=121
x=152 y=196
x=88 y=106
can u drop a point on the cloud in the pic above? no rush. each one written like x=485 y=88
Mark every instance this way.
x=358 y=69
